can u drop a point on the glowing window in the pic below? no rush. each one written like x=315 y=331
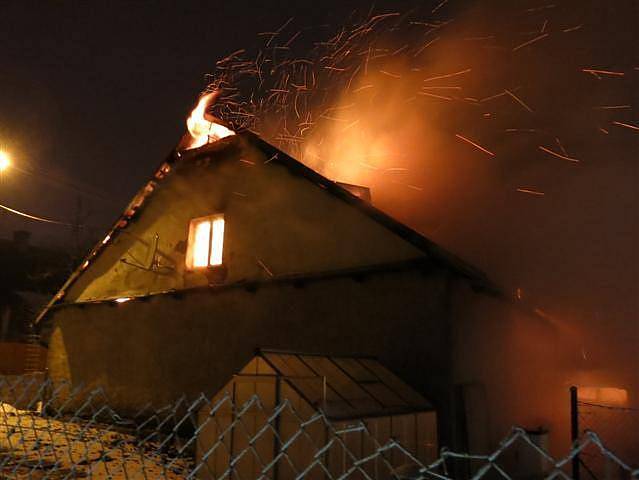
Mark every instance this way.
x=605 y=395
x=206 y=242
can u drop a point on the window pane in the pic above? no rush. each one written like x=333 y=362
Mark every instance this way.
x=395 y=384
x=217 y=241
x=355 y=369
x=201 y=244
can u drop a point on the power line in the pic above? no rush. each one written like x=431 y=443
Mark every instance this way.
x=65 y=183
x=34 y=217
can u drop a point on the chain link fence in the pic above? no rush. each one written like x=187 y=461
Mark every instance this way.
x=54 y=431
x=616 y=425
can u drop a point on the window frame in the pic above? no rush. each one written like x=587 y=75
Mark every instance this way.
x=190 y=242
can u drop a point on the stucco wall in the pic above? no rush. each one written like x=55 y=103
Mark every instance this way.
x=157 y=349
x=516 y=367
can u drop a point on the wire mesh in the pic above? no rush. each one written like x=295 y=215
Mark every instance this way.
x=55 y=431
x=618 y=427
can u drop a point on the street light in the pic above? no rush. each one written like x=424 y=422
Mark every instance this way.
x=5 y=161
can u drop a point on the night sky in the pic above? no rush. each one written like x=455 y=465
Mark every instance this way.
x=94 y=95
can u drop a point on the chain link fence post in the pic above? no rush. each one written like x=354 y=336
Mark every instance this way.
x=574 y=428
x=56 y=431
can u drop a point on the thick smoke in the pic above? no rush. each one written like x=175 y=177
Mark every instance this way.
x=505 y=131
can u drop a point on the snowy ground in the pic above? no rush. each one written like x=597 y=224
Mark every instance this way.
x=37 y=447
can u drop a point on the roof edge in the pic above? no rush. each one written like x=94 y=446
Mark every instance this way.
x=479 y=280
x=131 y=209
x=358 y=273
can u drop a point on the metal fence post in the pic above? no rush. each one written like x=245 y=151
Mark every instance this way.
x=574 y=429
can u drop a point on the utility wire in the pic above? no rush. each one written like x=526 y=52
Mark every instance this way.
x=51 y=179
x=34 y=217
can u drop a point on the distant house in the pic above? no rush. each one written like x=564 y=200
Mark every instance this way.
x=235 y=247
x=30 y=275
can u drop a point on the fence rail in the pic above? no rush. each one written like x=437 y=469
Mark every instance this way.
x=53 y=431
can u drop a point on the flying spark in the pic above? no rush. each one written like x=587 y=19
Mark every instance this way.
x=626 y=125
x=558 y=155
x=531 y=191
x=479 y=147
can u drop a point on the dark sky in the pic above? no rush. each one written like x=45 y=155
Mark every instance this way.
x=93 y=95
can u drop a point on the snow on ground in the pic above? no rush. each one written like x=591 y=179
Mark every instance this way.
x=38 y=447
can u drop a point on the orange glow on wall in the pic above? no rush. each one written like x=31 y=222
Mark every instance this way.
x=206 y=242
x=604 y=395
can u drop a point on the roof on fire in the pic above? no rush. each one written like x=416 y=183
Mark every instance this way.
x=435 y=253
x=479 y=278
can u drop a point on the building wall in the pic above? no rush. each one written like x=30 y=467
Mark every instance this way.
x=513 y=367
x=157 y=349
x=20 y=358
x=275 y=220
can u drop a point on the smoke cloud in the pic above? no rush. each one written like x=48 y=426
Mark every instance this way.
x=505 y=131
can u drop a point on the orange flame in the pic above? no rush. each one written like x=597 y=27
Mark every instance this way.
x=202 y=126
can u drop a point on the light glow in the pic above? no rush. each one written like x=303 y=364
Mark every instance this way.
x=206 y=242
x=217 y=241
x=604 y=395
x=202 y=129
x=5 y=161
x=123 y=299
x=201 y=244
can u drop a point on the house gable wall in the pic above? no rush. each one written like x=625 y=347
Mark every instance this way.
x=277 y=222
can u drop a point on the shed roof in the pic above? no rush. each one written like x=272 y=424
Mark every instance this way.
x=345 y=386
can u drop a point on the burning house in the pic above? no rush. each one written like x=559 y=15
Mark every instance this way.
x=232 y=248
